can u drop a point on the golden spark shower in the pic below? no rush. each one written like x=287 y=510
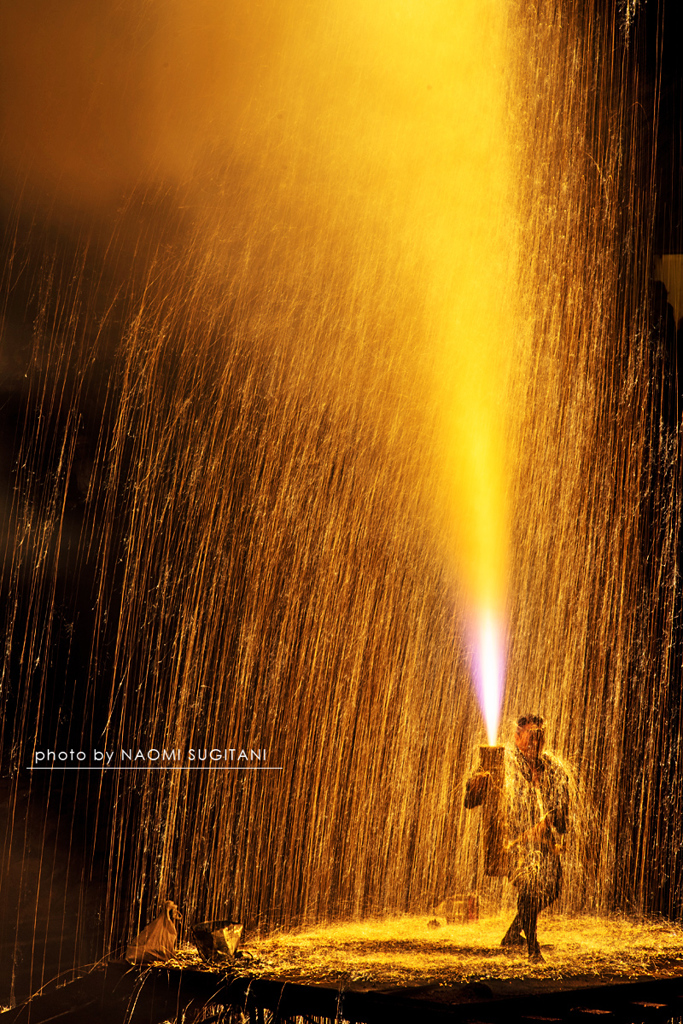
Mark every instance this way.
x=333 y=442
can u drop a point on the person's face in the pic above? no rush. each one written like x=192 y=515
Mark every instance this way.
x=529 y=741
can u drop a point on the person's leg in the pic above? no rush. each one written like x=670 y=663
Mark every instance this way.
x=513 y=936
x=534 y=896
x=528 y=914
x=538 y=886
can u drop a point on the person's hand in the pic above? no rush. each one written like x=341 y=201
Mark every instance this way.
x=539 y=835
x=477 y=788
x=543 y=834
x=480 y=780
x=541 y=829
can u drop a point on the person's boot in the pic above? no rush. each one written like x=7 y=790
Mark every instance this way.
x=535 y=955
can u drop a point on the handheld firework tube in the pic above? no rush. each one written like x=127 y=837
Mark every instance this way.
x=492 y=760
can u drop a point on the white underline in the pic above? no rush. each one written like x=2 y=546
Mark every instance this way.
x=150 y=768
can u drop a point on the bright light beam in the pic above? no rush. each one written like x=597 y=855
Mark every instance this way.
x=489 y=672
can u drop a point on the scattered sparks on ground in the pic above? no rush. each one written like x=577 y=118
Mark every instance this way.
x=404 y=951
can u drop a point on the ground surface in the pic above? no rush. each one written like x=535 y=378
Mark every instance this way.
x=392 y=969
x=406 y=951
